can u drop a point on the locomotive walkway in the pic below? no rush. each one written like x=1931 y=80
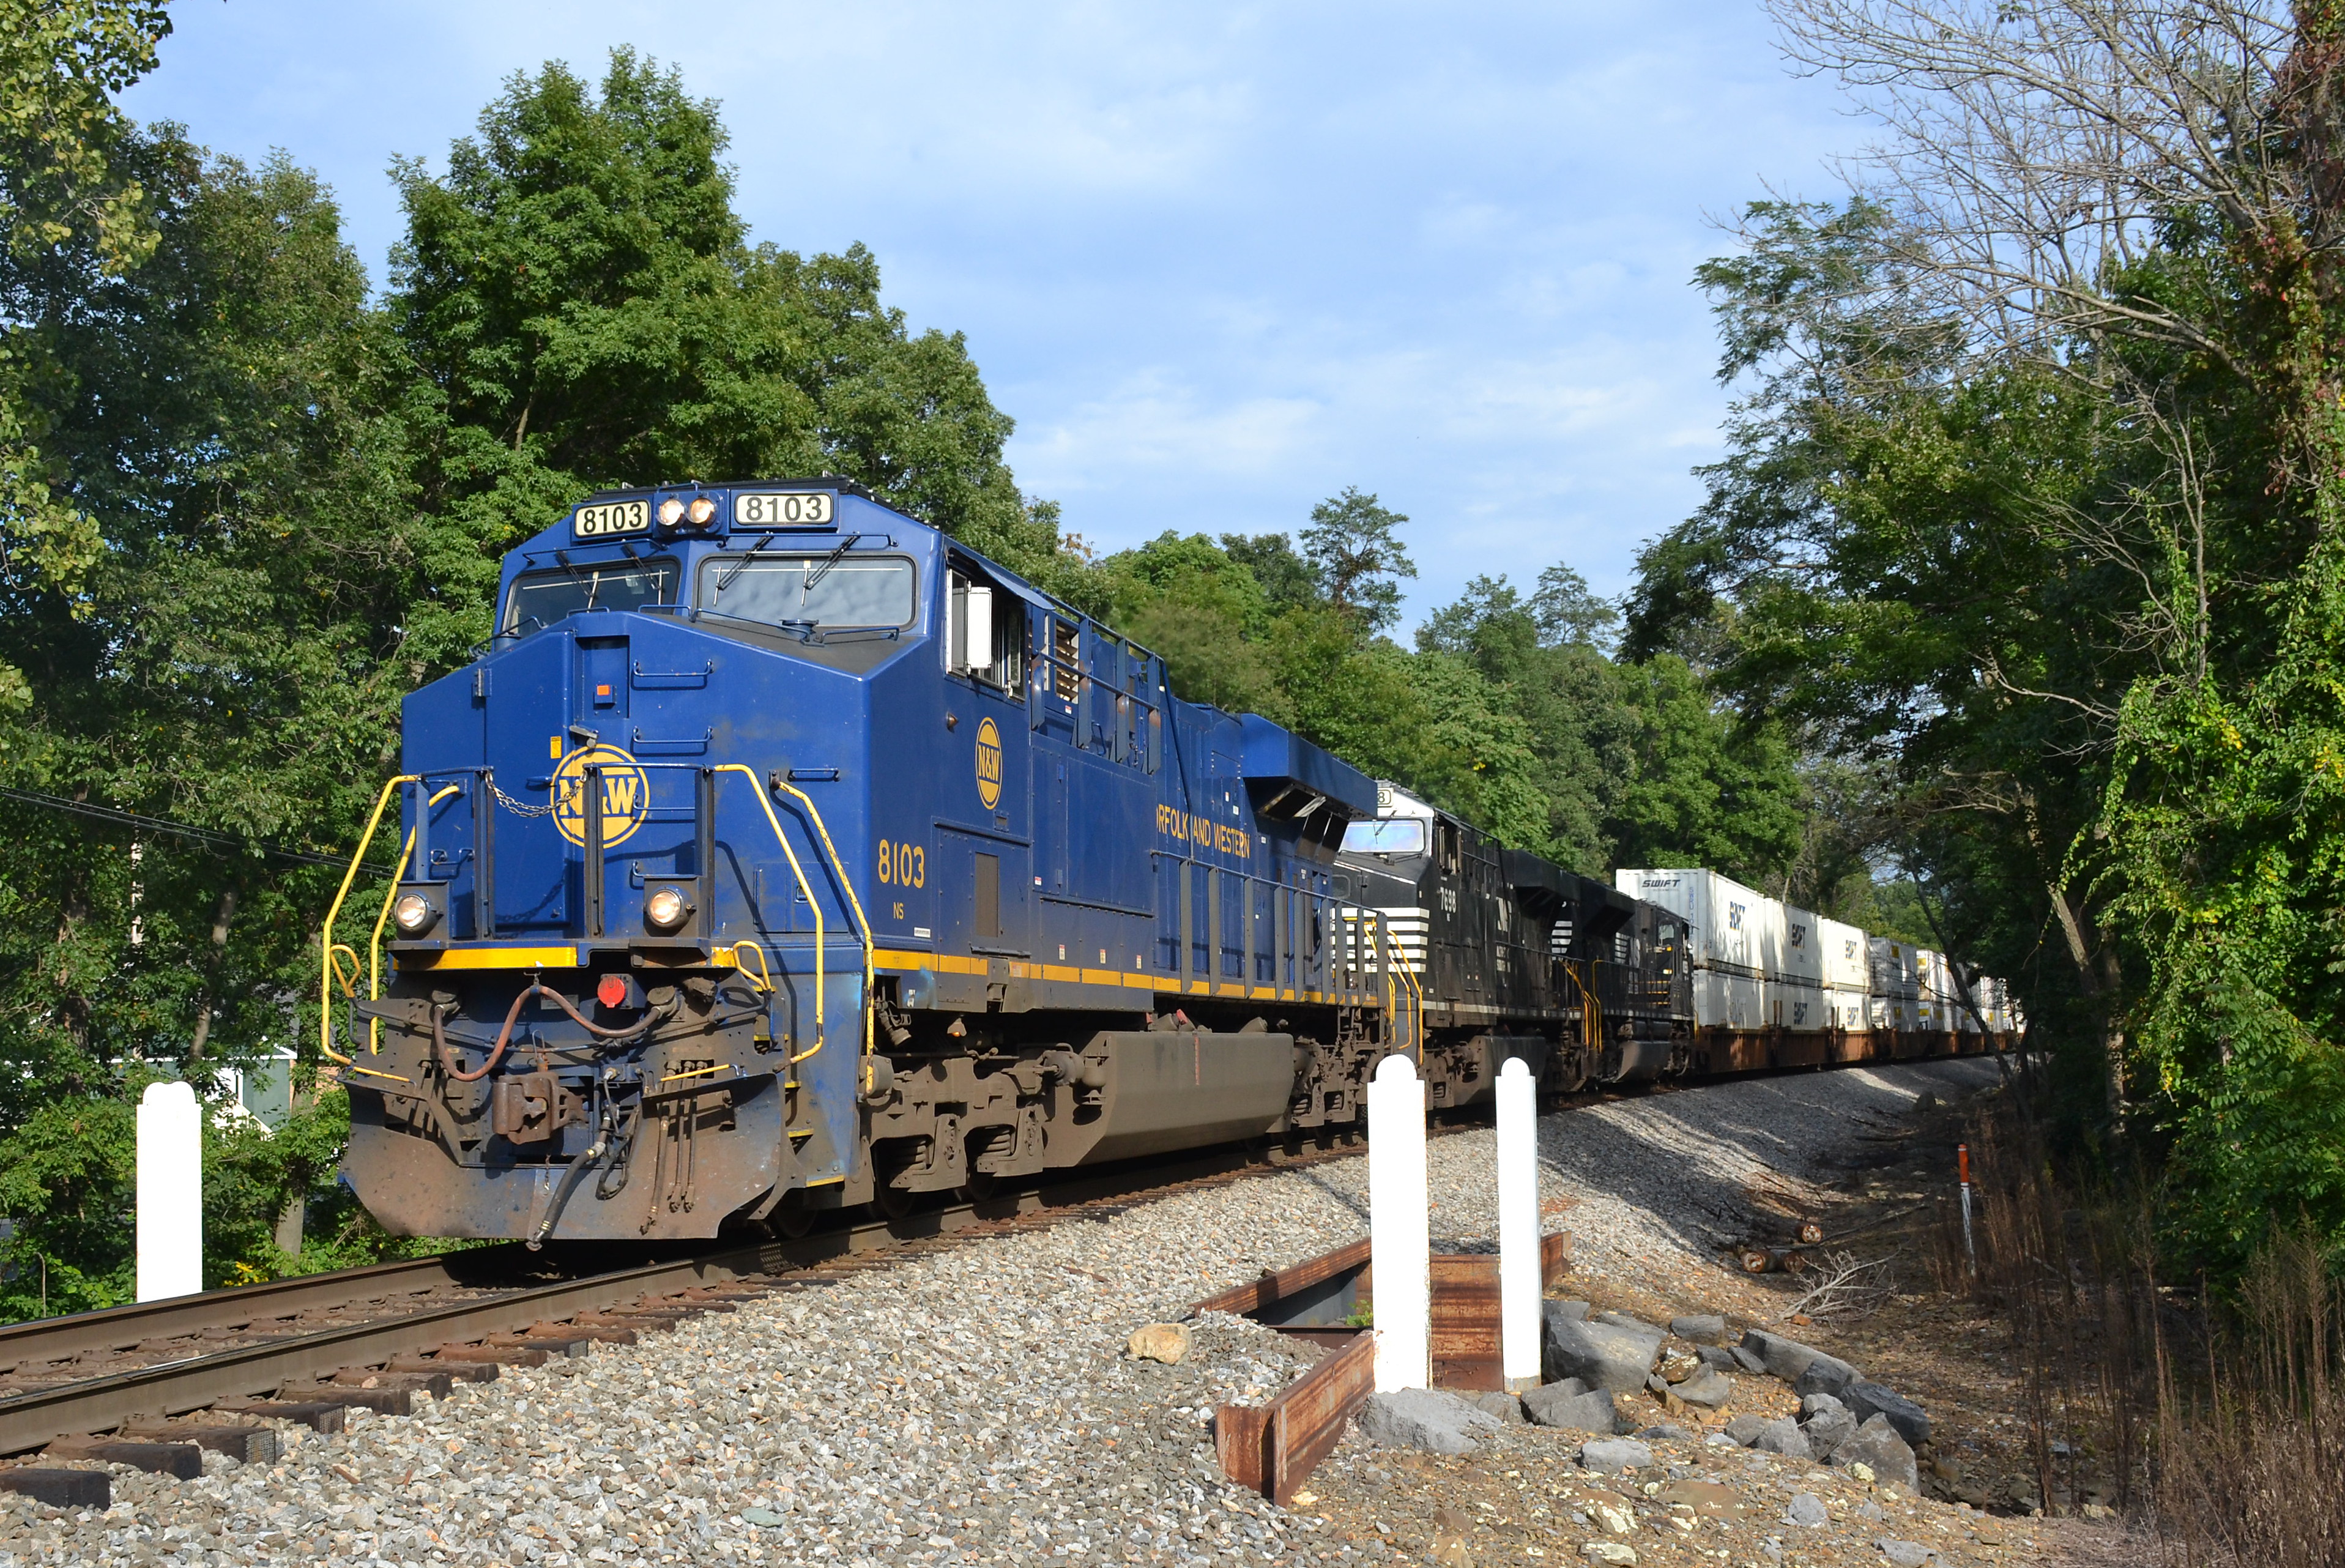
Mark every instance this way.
x=968 y=1400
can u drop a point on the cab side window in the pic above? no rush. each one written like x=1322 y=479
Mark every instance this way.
x=985 y=632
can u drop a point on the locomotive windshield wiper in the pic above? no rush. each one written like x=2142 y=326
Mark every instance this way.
x=736 y=568
x=819 y=573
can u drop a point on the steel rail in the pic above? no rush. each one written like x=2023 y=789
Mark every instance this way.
x=32 y=1419
x=110 y=1329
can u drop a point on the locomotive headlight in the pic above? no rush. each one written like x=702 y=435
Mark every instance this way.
x=701 y=511
x=671 y=512
x=666 y=910
x=412 y=914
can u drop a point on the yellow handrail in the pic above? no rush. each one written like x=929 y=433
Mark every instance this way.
x=764 y=979
x=389 y=897
x=813 y=902
x=846 y=883
x=326 y=935
x=374 y=943
x=1399 y=962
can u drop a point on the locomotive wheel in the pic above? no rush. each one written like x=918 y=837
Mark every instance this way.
x=892 y=1203
x=791 y=1217
x=980 y=1186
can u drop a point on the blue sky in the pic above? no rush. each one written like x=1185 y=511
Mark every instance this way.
x=1218 y=262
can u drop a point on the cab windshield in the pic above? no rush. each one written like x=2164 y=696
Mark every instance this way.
x=1386 y=836
x=810 y=593
x=540 y=598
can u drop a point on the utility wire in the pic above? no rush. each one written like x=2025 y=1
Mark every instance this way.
x=177 y=829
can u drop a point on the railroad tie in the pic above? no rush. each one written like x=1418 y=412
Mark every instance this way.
x=457 y=1371
x=326 y=1416
x=244 y=1444
x=180 y=1460
x=572 y=1332
x=59 y=1488
x=555 y=1345
x=491 y=1355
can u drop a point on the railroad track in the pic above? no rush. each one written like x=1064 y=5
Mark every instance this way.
x=154 y=1385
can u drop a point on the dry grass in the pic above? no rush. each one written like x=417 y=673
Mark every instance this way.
x=2222 y=1430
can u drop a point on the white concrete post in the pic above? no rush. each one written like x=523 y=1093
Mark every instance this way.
x=1519 y=1226
x=171 y=1193
x=1400 y=1227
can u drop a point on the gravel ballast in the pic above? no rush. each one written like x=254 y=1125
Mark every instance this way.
x=975 y=1404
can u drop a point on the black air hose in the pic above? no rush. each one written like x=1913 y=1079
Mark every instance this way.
x=601 y=1146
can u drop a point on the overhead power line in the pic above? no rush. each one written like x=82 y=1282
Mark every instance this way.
x=146 y=824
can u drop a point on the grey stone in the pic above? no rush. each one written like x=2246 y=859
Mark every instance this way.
x=1828 y=1428
x=1745 y=1428
x=1572 y=1408
x=1622 y=1320
x=1665 y=1431
x=1611 y=1456
x=1779 y=1356
x=1905 y=1553
x=1707 y=1388
x=1784 y=1436
x=1719 y=1356
x=1872 y=1510
x=1575 y=1310
x=1720 y=1440
x=1657 y=1385
x=1865 y=1401
x=1506 y=1406
x=1808 y=1369
x=1606 y=1355
x=1825 y=1375
x=1876 y=1444
x=1701 y=1328
x=1749 y=1362
x=1432 y=1419
x=1808 y=1512
x=1818 y=1404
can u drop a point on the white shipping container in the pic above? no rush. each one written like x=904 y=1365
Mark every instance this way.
x=1847 y=958
x=1724 y=917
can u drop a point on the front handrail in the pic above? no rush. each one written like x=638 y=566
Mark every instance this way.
x=846 y=885
x=814 y=903
x=326 y=934
x=390 y=897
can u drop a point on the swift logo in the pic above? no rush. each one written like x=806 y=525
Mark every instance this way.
x=626 y=794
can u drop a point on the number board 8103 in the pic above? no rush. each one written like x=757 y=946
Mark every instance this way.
x=611 y=518
x=790 y=509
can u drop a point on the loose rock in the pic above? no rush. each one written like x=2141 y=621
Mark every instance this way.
x=1905 y=1553
x=1784 y=1436
x=1825 y=1375
x=1808 y=1512
x=1865 y=1399
x=1506 y=1406
x=1586 y=1411
x=1432 y=1419
x=1702 y=1329
x=1609 y=1456
x=1165 y=1342
x=1605 y=1355
x=1611 y=1552
x=1877 y=1446
x=1745 y=1428
x=1708 y=1388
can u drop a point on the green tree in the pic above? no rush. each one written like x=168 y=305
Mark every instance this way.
x=586 y=311
x=1353 y=547
x=61 y=188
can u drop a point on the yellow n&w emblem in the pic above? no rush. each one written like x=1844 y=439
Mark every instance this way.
x=626 y=794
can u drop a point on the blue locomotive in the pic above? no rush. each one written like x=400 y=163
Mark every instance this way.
x=780 y=854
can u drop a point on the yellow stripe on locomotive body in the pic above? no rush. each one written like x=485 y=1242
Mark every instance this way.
x=780 y=853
